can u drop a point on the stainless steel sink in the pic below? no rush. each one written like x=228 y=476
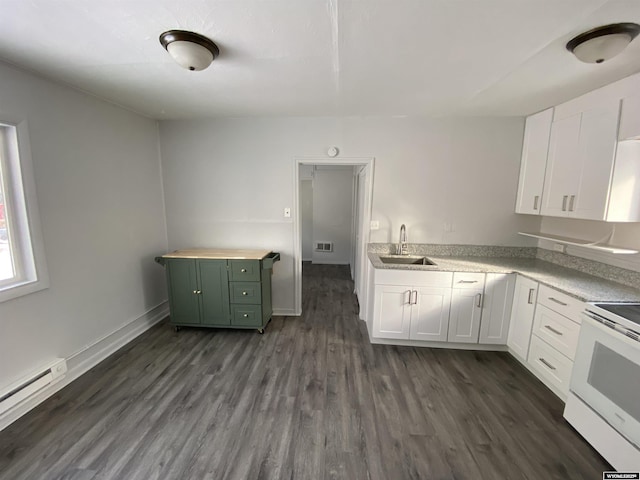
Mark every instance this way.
x=405 y=260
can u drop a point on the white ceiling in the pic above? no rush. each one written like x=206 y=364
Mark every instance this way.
x=320 y=57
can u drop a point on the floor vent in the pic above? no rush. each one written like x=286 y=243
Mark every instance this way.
x=324 y=246
x=28 y=386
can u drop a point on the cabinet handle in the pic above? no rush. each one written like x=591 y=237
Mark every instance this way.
x=415 y=299
x=199 y=292
x=467 y=281
x=409 y=301
x=555 y=300
x=572 y=200
x=479 y=302
x=195 y=292
x=244 y=293
x=549 y=327
x=542 y=360
x=535 y=202
x=243 y=270
x=531 y=292
x=564 y=203
x=245 y=315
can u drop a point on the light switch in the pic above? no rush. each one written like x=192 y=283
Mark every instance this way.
x=287 y=212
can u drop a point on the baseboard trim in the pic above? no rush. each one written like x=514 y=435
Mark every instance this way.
x=285 y=312
x=82 y=361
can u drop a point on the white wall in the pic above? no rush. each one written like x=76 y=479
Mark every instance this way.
x=98 y=183
x=227 y=180
x=333 y=213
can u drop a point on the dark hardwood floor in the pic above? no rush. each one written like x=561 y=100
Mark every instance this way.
x=309 y=399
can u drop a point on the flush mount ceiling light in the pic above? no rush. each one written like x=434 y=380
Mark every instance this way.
x=190 y=50
x=603 y=43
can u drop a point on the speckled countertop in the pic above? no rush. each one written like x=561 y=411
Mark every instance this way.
x=580 y=285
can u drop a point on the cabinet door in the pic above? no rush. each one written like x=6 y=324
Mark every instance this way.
x=183 y=288
x=598 y=129
x=524 y=305
x=214 y=285
x=533 y=163
x=496 y=308
x=466 y=311
x=430 y=313
x=392 y=311
x=562 y=174
x=630 y=118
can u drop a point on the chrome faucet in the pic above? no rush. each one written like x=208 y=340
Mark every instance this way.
x=401 y=249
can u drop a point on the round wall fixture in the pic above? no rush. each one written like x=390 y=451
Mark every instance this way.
x=603 y=43
x=333 y=152
x=190 y=50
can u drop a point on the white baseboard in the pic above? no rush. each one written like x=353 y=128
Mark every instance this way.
x=285 y=312
x=87 y=358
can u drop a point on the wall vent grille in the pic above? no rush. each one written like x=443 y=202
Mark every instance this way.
x=324 y=246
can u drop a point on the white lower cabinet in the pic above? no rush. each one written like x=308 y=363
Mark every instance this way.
x=524 y=306
x=430 y=314
x=411 y=305
x=496 y=308
x=466 y=307
x=555 y=337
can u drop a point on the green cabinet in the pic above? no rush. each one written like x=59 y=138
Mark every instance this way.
x=198 y=292
x=219 y=292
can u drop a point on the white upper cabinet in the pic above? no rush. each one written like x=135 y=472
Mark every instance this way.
x=598 y=130
x=630 y=118
x=591 y=170
x=534 y=160
x=562 y=172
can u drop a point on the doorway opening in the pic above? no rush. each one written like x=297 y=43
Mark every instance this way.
x=333 y=199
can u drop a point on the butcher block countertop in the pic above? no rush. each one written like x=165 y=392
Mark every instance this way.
x=219 y=254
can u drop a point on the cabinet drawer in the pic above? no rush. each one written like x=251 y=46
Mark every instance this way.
x=468 y=280
x=245 y=292
x=550 y=365
x=413 y=277
x=244 y=270
x=557 y=330
x=246 y=315
x=561 y=303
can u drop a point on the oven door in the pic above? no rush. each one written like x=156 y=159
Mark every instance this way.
x=606 y=376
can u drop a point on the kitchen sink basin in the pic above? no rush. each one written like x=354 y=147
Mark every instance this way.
x=405 y=260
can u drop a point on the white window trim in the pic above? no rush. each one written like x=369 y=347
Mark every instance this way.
x=29 y=235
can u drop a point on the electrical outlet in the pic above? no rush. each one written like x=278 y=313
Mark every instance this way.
x=375 y=225
x=287 y=212
x=559 y=247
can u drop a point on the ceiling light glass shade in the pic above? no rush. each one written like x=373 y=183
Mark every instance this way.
x=190 y=55
x=603 y=43
x=190 y=50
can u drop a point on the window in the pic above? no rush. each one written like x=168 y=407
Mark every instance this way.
x=22 y=268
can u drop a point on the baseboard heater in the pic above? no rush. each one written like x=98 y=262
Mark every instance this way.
x=28 y=386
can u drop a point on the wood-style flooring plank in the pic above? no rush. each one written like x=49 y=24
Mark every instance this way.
x=309 y=399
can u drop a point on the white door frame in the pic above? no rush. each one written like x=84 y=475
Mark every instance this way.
x=368 y=163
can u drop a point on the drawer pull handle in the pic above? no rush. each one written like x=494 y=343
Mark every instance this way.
x=468 y=281
x=243 y=270
x=547 y=364
x=555 y=300
x=244 y=293
x=246 y=315
x=549 y=327
x=530 y=299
